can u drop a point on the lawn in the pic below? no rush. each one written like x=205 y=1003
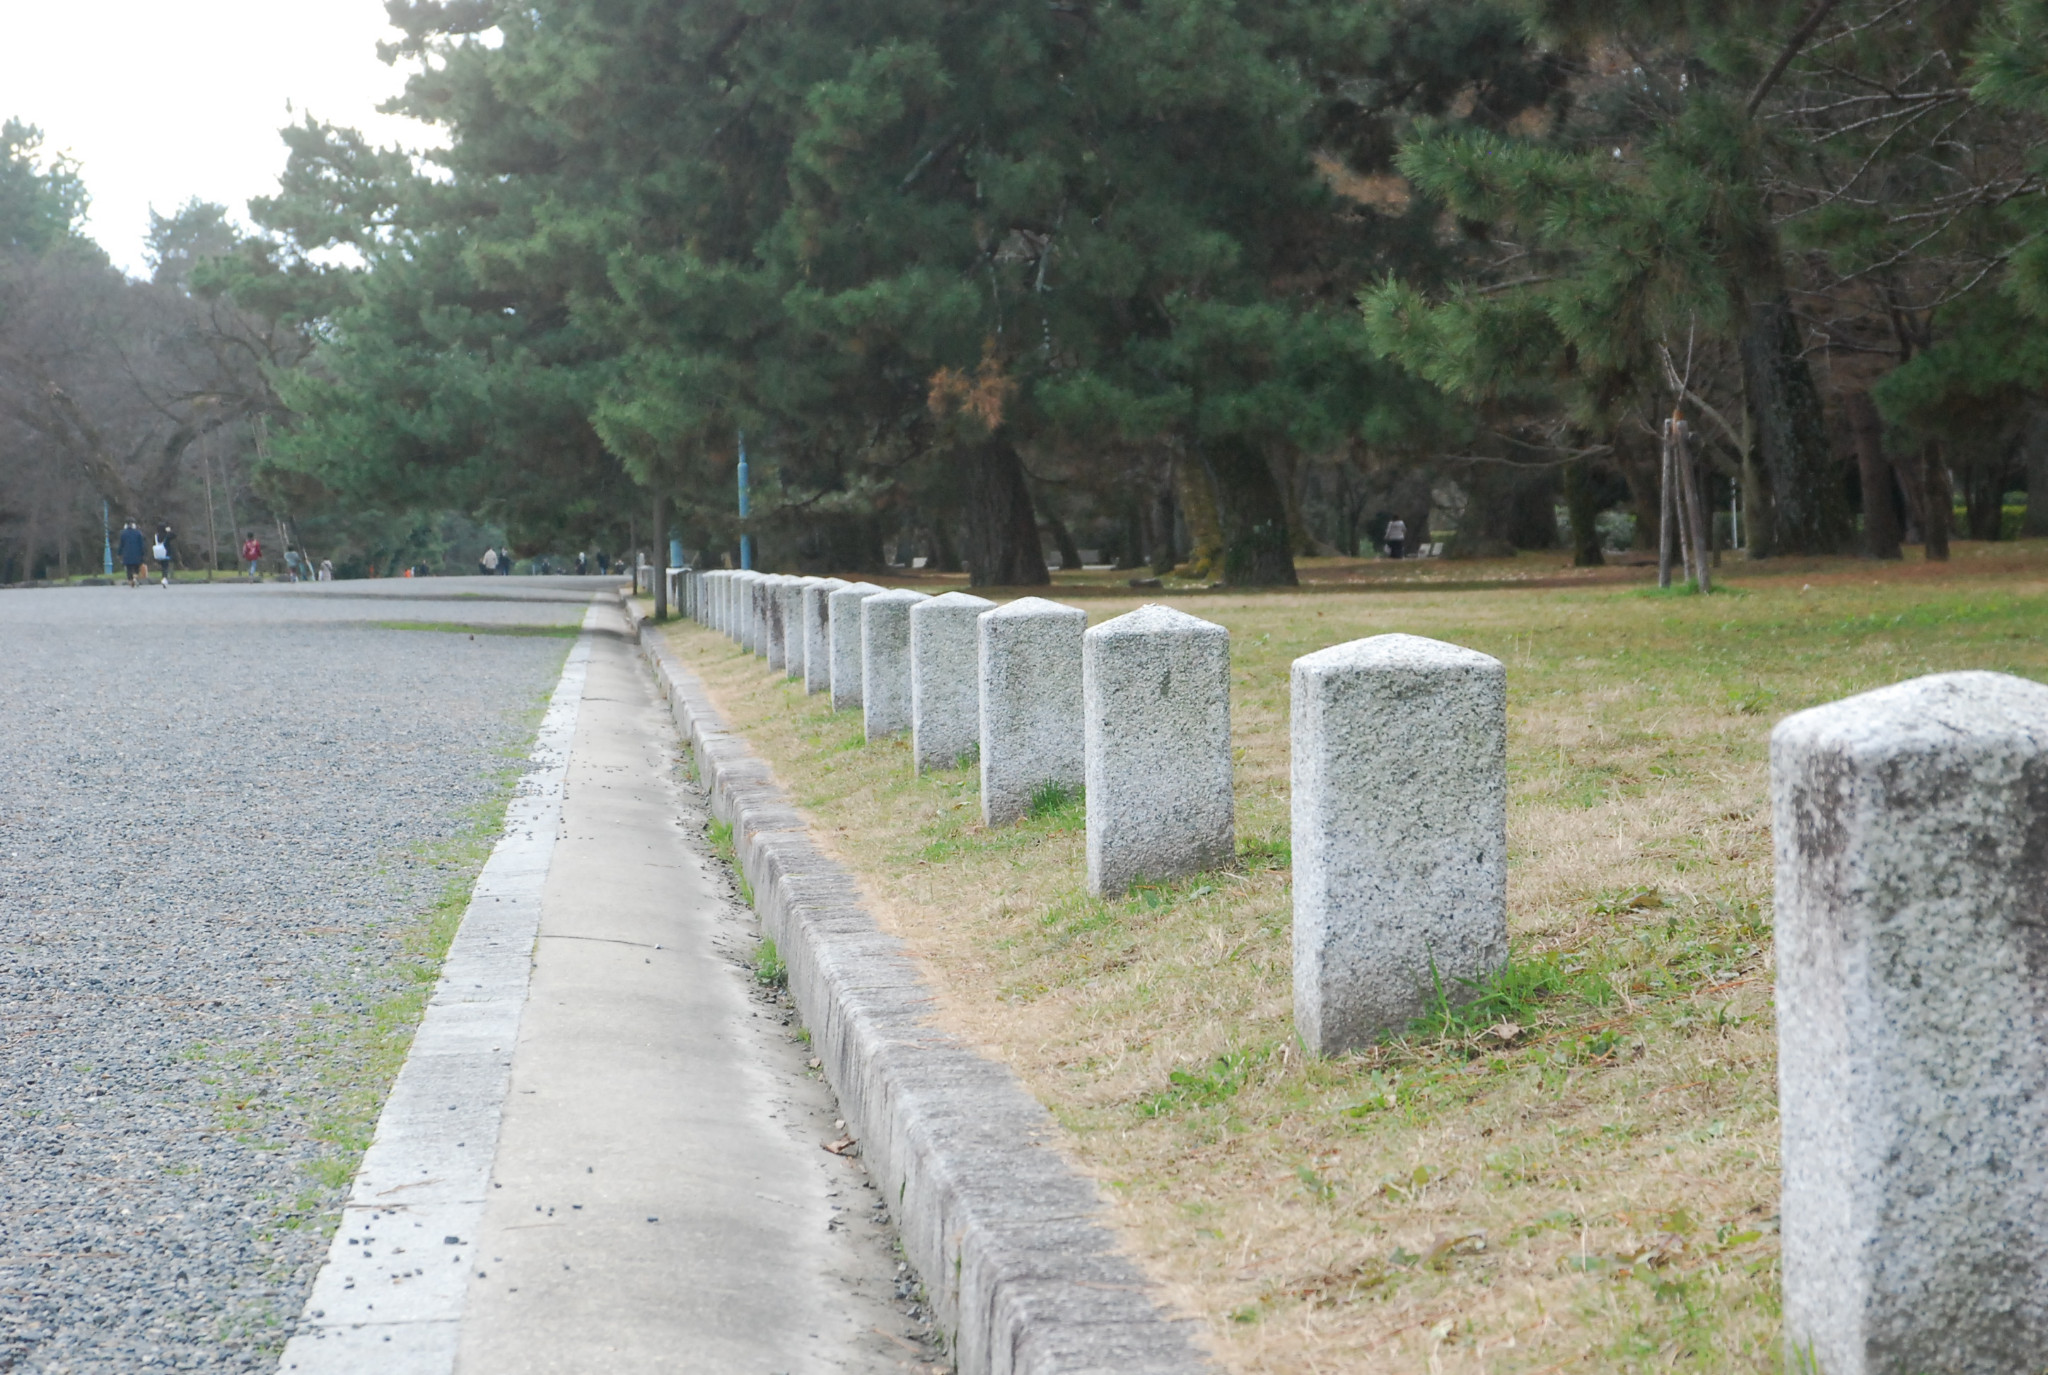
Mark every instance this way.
x=1577 y=1172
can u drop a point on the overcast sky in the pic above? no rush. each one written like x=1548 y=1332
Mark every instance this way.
x=170 y=99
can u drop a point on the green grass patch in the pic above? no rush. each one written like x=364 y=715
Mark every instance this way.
x=558 y=632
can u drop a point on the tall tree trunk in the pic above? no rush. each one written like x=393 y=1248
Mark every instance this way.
x=1939 y=501
x=1880 y=521
x=1159 y=515
x=1811 y=514
x=1582 y=506
x=1258 y=548
x=1638 y=464
x=1132 y=553
x=1759 y=525
x=1195 y=488
x=1985 y=469
x=1002 y=530
x=1062 y=540
x=2034 y=459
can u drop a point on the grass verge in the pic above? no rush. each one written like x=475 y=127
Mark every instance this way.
x=1577 y=1170
x=343 y=1056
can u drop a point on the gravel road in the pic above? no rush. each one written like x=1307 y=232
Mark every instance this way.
x=218 y=807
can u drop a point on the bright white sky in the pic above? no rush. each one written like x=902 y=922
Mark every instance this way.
x=162 y=100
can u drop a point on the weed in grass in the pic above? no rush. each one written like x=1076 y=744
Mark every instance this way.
x=1204 y=1088
x=1060 y=804
x=769 y=970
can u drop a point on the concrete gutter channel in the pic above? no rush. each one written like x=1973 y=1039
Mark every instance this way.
x=1021 y=1272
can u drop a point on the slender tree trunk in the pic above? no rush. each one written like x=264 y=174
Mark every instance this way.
x=1759 y=538
x=1697 y=517
x=1002 y=529
x=1880 y=521
x=1939 y=501
x=1667 y=513
x=1811 y=513
x=660 y=527
x=1195 y=491
x=1257 y=546
x=1582 y=505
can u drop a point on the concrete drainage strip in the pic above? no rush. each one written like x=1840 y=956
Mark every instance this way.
x=1022 y=1275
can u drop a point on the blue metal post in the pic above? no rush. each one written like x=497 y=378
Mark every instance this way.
x=746 y=540
x=107 y=534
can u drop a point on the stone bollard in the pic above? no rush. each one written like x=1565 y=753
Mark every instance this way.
x=771 y=620
x=945 y=697
x=721 y=585
x=818 y=633
x=792 y=595
x=761 y=596
x=845 y=647
x=1400 y=810
x=1030 y=668
x=885 y=661
x=1156 y=707
x=750 y=612
x=1911 y=830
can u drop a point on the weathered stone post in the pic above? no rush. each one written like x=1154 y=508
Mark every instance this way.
x=1400 y=797
x=745 y=630
x=770 y=594
x=1030 y=666
x=818 y=633
x=721 y=601
x=945 y=697
x=1156 y=711
x=1911 y=829
x=885 y=661
x=792 y=595
x=762 y=615
x=844 y=650
x=753 y=623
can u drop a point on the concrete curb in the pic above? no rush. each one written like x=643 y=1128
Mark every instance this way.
x=1022 y=1275
x=390 y=1295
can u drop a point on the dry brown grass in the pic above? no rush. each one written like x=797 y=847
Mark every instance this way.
x=1594 y=1190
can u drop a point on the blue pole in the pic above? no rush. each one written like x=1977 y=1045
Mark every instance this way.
x=107 y=534
x=746 y=540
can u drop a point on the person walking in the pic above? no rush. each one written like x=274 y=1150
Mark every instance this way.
x=490 y=562
x=131 y=552
x=326 y=570
x=163 y=553
x=252 y=556
x=1397 y=537
x=582 y=563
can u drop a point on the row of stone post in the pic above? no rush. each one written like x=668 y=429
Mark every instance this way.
x=1400 y=762
x=1911 y=834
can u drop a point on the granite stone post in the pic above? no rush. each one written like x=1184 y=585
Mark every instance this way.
x=741 y=583
x=792 y=595
x=771 y=619
x=758 y=598
x=885 y=661
x=1911 y=830
x=945 y=690
x=845 y=668
x=721 y=584
x=818 y=633
x=1399 y=831
x=1155 y=690
x=1030 y=667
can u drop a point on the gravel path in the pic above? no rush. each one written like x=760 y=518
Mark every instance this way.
x=220 y=811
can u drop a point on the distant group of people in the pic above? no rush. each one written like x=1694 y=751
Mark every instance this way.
x=495 y=563
x=136 y=553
